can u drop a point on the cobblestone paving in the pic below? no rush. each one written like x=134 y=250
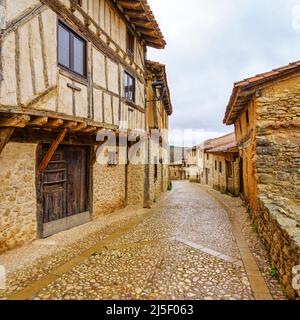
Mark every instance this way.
x=255 y=244
x=181 y=249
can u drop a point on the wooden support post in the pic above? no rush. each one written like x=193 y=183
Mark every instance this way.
x=5 y=134
x=48 y=156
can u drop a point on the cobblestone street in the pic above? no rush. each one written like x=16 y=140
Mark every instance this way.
x=193 y=244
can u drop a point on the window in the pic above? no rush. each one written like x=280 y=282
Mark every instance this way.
x=130 y=42
x=129 y=88
x=207 y=156
x=71 y=50
x=247 y=117
x=220 y=167
x=216 y=165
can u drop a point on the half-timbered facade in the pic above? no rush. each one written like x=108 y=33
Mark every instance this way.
x=159 y=109
x=68 y=69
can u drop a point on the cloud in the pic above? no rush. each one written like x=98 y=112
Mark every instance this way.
x=212 y=44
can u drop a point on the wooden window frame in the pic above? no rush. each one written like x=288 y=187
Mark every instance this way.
x=247 y=117
x=73 y=34
x=127 y=74
x=130 y=43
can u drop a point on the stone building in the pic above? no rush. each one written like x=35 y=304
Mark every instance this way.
x=266 y=114
x=206 y=161
x=68 y=70
x=193 y=169
x=225 y=170
x=178 y=171
x=159 y=108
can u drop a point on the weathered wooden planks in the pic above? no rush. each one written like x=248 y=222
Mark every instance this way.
x=44 y=163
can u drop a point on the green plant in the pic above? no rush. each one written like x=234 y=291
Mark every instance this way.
x=255 y=227
x=274 y=272
x=170 y=186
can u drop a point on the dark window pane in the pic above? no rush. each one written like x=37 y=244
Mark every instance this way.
x=63 y=46
x=129 y=87
x=130 y=42
x=79 y=49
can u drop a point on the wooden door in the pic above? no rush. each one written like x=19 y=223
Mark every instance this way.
x=241 y=176
x=229 y=177
x=76 y=188
x=64 y=188
x=54 y=187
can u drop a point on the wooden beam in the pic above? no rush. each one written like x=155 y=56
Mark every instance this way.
x=54 y=123
x=48 y=156
x=80 y=127
x=19 y=121
x=5 y=134
x=69 y=124
x=129 y=4
x=89 y=129
x=39 y=121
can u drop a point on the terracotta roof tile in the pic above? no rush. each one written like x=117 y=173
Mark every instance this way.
x=250 y=83
x=220 y=142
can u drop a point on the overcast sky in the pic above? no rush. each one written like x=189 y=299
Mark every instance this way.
x=213 y=43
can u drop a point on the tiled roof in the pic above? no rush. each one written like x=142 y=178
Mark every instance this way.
x=159 y=71
x=219 y=142
x=224 y=148
x=141 y=17
x=243 y=90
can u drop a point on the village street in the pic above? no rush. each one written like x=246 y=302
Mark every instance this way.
x=186 y=247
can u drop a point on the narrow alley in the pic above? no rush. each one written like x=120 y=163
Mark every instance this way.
x=193 y=244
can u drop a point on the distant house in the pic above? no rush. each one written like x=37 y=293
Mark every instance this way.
x=178 y=171
x=225 y=162
x=266 y=114
x=218 y=164
x=193 y=169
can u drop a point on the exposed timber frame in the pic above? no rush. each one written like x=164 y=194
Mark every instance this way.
x=48 y=156
x=117 y=56
x=5 y=134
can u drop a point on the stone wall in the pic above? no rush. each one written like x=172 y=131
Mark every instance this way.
x=236 y=177
x=277 y=163
x=109 y=189
x=278 y=140
x=18 y=222
x=282 y=238
x=136 y=184
x=219 y=178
